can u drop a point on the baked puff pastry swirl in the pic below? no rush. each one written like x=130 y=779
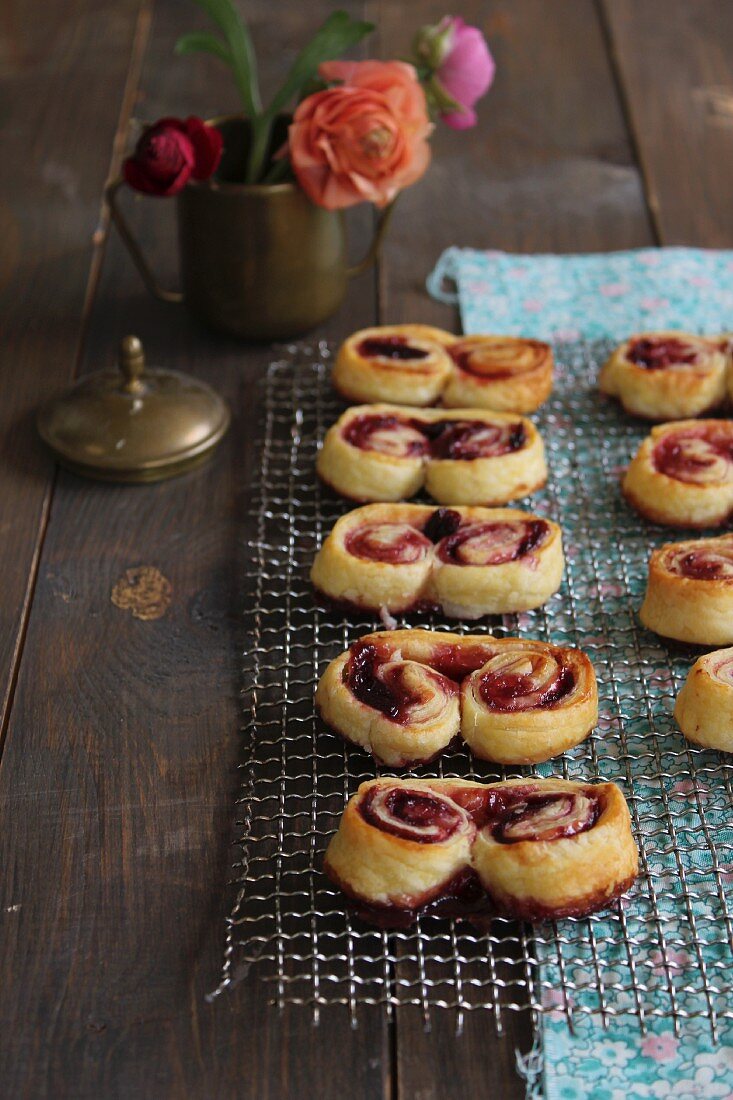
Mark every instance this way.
x=682 y=474
x=388 y=453
x=405 y=695
x=467 y=562
x=532 y=849
x=505 y=373
x=407 y=364
x=667 y=375
x=689 y=595
x=419 y=365
x=704 y=706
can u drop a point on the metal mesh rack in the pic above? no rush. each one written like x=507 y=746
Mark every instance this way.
x=666 y=951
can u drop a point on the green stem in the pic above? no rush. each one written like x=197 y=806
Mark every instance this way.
x=383 y=219
x=278 y=172
x=261 y=132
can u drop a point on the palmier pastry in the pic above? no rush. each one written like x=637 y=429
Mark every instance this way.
x=505 y=373
x=532 y=849
x=704 y=706
x=420 y=365
x=529 y=702
x=388 y=453
x=405 y=695
x=667 y=375
x=407 y=364
x=682 y=474
x=467 y=562
x=554 y=848
x=689 y=593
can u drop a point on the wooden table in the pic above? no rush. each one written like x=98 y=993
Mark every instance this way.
x=610 y=126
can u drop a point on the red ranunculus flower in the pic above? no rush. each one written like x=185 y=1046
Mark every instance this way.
x=170 y=152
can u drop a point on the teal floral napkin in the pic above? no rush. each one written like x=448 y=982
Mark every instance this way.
x=666 y=952
x=590 y=297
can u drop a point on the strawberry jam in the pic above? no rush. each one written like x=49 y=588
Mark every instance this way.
x=389 y=694
x=493 y=543
x=512 y=692
x=656 y=353
x=412 y=814
x=390 y=347
x=396 y=543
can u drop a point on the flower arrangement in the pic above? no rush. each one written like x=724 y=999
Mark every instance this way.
x=359 y=130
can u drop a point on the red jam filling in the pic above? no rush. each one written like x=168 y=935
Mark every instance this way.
x=492 y=543
x=687 y=456
x=361 y=679
x=462 y=896
x=521 y=813
x=444 y=439
x=470 y=439
x=459 y=661
x=656 y=353
x=510 y=692
x=403 y=811
x=362 y=430
x=525 y=813
x=543 y=817
x=397 y=544
x=390 y=347
x=443 y=522
x=700 y=567
x=387 y=693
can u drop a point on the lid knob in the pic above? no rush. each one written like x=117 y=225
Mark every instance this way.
x=132 y=364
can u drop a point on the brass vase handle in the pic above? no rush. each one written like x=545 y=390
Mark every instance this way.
x=134 y=248
x=375 y=247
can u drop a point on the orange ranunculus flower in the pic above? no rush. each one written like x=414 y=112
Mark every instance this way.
x=364 y=140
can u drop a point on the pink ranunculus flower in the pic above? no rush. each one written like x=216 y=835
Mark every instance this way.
x=463 y=68
x=365 y=139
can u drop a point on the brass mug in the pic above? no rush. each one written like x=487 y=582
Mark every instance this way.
x=257 y=261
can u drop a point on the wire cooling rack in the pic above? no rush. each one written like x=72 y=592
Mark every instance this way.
x=666 y=951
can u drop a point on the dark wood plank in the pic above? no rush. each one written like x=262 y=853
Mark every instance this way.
x=117 y=784
x=56 y=140
x=673 y=61
x=548 y=168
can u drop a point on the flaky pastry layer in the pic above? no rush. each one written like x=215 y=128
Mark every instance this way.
x=437 y=572
x=690 y=380
x=406 y=695
x=704 y=707
x=535 y=848
x=420 y=365
x=404 y=460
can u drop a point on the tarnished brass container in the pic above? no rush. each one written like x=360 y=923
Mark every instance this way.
x=134 y=424
x=257 y=261
x=260 y=262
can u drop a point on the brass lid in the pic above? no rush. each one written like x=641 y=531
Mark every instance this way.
x=134 y=424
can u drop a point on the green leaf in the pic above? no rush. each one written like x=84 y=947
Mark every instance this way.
x=339 y=33
x=279 y=171
x=239 y=43
x=204 y=42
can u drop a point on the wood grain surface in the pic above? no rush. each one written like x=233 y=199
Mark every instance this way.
x=673 y=64
x=119 y=765
x=57 y=142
